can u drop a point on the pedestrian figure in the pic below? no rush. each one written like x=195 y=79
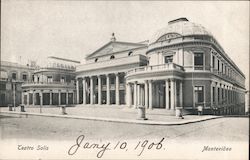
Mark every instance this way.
x=200 y=108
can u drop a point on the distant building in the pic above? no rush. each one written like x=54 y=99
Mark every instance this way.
x=12 y=76
x=53 y=84
x=183 y=65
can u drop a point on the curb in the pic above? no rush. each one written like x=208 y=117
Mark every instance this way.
x=147 y=122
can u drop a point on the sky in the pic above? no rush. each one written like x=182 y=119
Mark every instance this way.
x=33 y=30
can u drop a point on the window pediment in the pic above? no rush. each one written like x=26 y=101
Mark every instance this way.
x=168 y=36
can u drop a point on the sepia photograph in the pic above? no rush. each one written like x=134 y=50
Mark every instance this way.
x=124 y=80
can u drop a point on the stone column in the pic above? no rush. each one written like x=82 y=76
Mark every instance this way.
x=84 y=90
x=50 y=97
x=167 y=93
x=28 y=98
x=91 y=90
x=108 y=90
x=172 y=83
x=135 y=94
x=77 y=91
x=41 y=98
x=181 y=94
x=99 y=90
x=146 y=93
x=150 y=96
x=22 y=97
x=34 y=98
x=129 y=95
x=59 y=97
x=67 y=97
x=139 y=94
x=117 y=98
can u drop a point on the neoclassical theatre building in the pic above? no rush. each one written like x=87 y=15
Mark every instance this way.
x=182 y=65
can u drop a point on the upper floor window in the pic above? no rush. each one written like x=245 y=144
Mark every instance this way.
x=112 y=57
x=198 y=60
x=130 y=53
x=222 y=68
x=169 y=59
x=62 y=79
x=2 y=86
x=24 y=77
x=49 y=78
x=112 y=80
x=213 y=62
x=218 y=65
x=13 y=76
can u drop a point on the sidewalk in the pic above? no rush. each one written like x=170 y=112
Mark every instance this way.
x=112 y=114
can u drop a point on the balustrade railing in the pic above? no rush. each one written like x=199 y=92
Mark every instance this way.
x=167 y=66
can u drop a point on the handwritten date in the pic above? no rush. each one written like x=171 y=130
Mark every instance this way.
x=140 y=146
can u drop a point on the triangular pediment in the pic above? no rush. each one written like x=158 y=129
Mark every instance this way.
x=114 y=47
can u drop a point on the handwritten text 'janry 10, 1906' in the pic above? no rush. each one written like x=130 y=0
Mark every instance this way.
x=140 y=146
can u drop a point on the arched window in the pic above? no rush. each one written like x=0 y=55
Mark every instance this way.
x=112 y=57
x=130 y=53
x=96 y=59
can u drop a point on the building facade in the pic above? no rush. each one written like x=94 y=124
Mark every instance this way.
x=12 y=76
x=182 y=65
x=52 y=84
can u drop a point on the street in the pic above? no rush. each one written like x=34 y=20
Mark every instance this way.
x=47 y=128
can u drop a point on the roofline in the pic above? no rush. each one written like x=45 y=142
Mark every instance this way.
x=64 y=59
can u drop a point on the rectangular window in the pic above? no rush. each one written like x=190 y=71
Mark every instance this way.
x=222 y=68
x=24 y=77
x=14 y=76
x=169 y=59
x=218 y=95
x=213 y=62
x=62 y=79
x=199 y=94
x=213 y=94
x=49 y=79
x=218 y=65
x=198 y=61
x=112 y=80
x=2 y=87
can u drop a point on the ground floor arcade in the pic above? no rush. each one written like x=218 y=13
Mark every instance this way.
x=48 y=97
